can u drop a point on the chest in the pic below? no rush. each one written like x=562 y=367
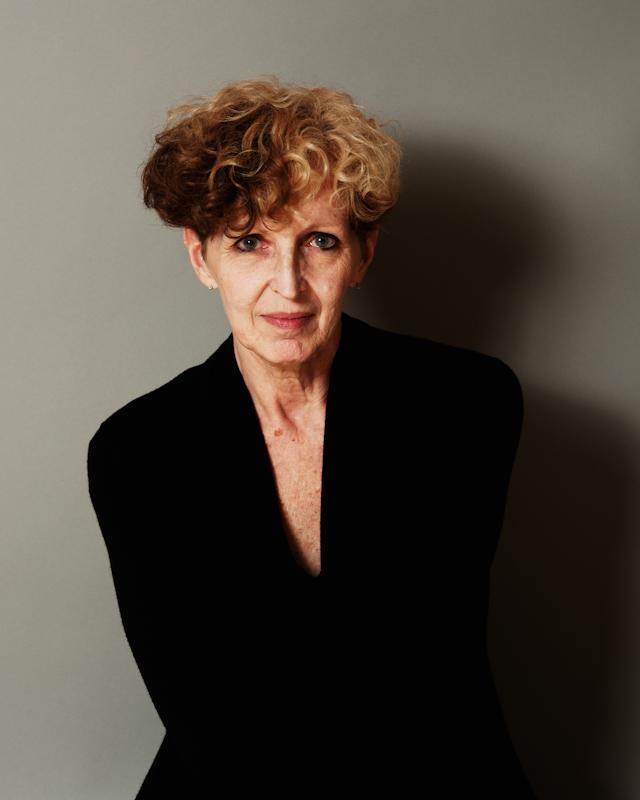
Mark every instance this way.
x=297 y=469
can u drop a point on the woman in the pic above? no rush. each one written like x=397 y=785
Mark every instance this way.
x=301 y=528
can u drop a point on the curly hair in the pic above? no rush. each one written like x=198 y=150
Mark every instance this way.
x=258 y=146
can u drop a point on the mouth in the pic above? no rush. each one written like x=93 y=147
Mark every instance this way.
x=288 y=315
x=287 y=321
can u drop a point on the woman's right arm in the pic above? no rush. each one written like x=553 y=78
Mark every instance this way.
x=127 y=516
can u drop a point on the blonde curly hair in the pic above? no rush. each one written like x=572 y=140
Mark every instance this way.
x=258 y=146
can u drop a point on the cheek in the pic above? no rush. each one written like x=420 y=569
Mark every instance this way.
x=243 y=293
x=342 y=279
x=338 y=274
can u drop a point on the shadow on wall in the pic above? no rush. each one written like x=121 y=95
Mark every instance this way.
x=467 y=245
x=466 y=237
x=558 y=594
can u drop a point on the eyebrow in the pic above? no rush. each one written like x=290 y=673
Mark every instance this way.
x=311 y=227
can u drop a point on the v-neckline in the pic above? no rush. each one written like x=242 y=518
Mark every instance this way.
x=281 y=535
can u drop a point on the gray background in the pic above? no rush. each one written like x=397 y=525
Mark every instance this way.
x=517 y=234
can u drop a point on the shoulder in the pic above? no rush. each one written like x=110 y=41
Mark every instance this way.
x=150 y=416
x=163 y=425
x=440 y=368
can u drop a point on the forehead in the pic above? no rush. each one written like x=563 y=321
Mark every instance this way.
x=318 y=211
x=319 y=205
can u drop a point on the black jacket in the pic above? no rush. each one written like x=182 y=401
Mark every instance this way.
x=373 y=675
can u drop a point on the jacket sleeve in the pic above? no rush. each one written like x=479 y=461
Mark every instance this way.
x=500 y=437
x=488 y=444
x=126 y=518
x=498 y=432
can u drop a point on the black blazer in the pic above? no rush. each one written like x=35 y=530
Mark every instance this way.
x=372 y=675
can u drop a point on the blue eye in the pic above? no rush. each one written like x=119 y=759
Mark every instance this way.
x=247 y=238
x=330 y=241
x=327 y=237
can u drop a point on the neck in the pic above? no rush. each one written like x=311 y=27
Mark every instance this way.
x=286 y=396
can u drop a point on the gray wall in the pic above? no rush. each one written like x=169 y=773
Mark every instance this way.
x=517 y=234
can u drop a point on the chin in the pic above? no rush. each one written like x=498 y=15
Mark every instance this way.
x=287 y=351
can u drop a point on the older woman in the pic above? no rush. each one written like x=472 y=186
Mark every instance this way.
x=301 y=527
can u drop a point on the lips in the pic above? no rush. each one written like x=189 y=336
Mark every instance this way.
x=289 y=322
x=289 y=315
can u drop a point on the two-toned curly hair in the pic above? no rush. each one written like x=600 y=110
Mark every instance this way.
x=258 y=146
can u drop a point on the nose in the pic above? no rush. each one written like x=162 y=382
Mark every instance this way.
x=287 y=279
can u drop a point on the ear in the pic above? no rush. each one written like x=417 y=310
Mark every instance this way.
x=368 y=252
x=194 y=248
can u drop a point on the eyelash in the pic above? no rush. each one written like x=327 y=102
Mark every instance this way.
x=315 y=235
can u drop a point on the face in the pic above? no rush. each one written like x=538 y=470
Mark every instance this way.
x=302 y=265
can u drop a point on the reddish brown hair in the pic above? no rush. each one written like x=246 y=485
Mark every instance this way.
x=257 y=146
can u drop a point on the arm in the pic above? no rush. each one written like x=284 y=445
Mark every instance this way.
x=124 y=509
x=500 y=431
x=499 y=437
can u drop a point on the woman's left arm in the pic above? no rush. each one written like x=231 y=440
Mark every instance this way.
x=499 y=429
